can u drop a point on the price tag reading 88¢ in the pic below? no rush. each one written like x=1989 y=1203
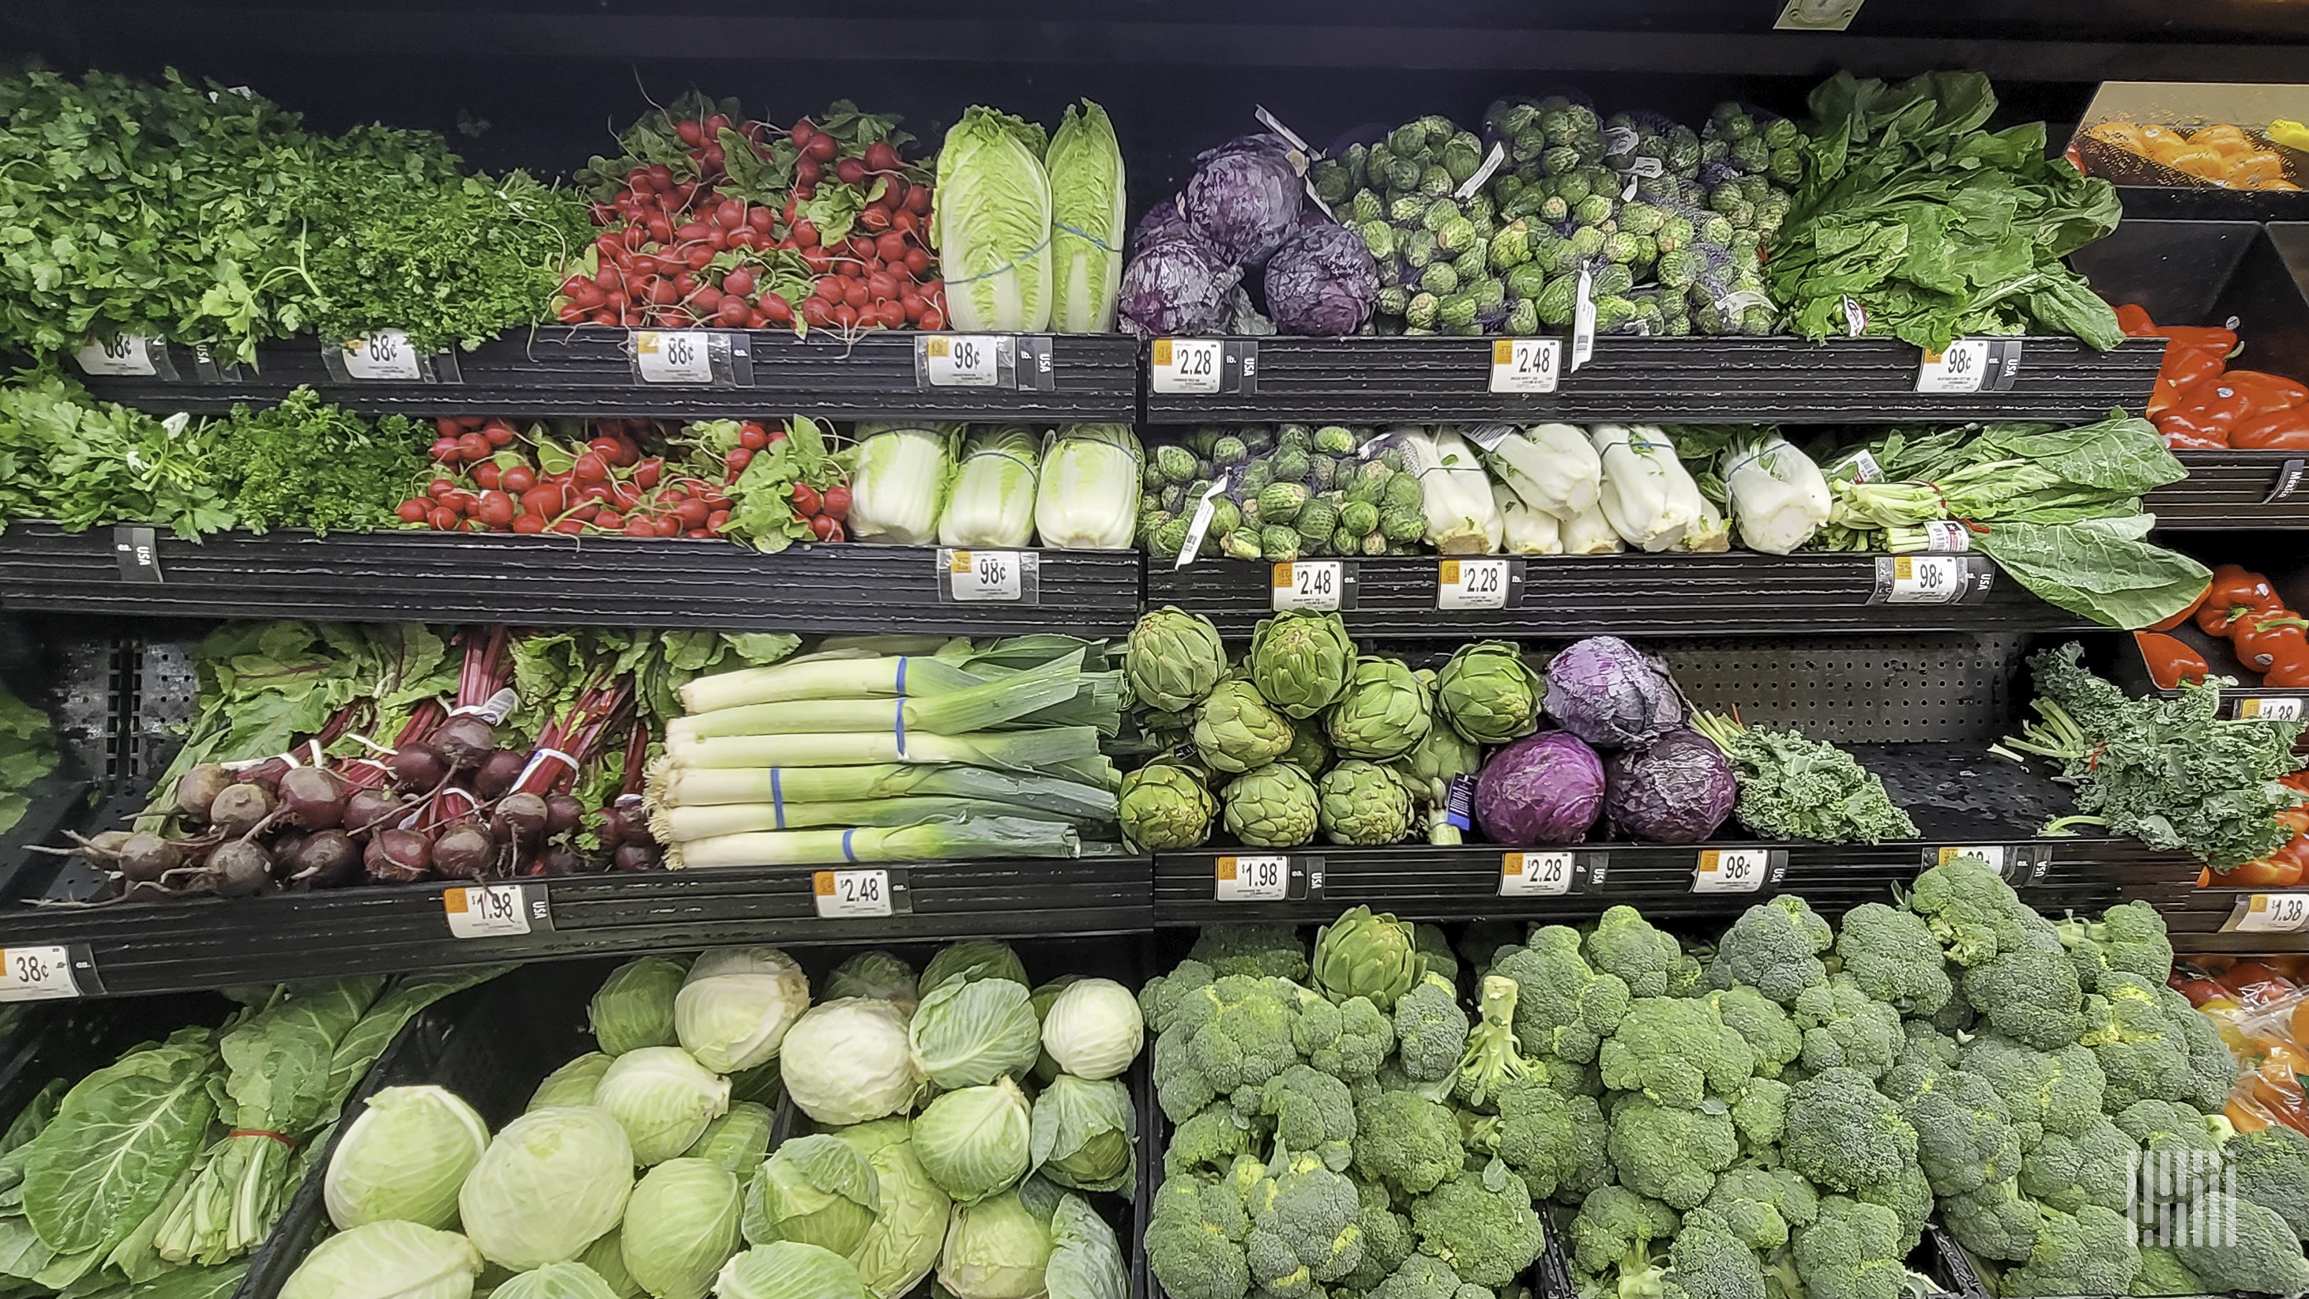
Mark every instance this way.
x=36 y=974
x=1731 y=870
x=960 y=361
x=673 y=356
x=842 y=895
x=985 y=574
x=127 y=354
x=1534 y=874
x=486 y=911
x=1253 y=879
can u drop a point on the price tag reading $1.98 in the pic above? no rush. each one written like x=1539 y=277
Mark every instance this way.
x=842 y=895
x=36 y=974
x=985 y=574
x=486 y=911
x=1534 y=874
x=1732 y=870
x=1253 y=879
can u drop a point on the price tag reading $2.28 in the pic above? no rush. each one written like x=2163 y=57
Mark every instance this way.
x=1534 y=874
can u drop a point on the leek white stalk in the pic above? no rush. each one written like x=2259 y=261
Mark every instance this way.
x=899 y=482
x=981 y=836
x=1550 y=467
x=992 y=503
x=1590 y=533
x=688 y=824
x=1647 y=496
x=1778 y=497
x=680 y=787
x=1461 y=519
x=1088 y=496
x=847 y=677
x=1524 y=530
x=1009 y=750
x=954 y=713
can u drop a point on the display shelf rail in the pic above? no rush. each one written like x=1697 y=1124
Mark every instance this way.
x=2230 y=918
x=1652 y=380
x=547 y=581
x=597 y=371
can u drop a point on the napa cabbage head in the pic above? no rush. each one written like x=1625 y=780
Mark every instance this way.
x=403 y=1158
x=387 y=1260
x=991 y=224
x=900 y=475
x=1089 y=494
x=1086 y=224
x=992 y=503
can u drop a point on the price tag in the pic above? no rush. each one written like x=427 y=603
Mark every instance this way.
x=1855 y=318
x=1970 y=365
x=1995 y=854
x=2262 y=913
x=1732 y=870
x=1253 y=879
x=37 y=974
x=2269 y=708
x=1190 y=366
x=1535 y=874
x=386 y=354
x=1475 y=584
x=1525 y=364
x=847 y=895
x=127 y=355
x=495 y=910
x=1583 y=321
x=962 y=360
x=1920 y=579
x=973 y=575
x=674 y=356
x=1320 y=585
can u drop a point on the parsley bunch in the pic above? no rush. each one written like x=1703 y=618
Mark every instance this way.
x=84 y=463
x=308 y=464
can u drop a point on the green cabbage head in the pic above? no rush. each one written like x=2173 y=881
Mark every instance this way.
x=681 y=1225
x=787 y=1269
x=634 y=1007
x=818 y=1190
x=556 y=1281
x=387 y=1260
x=664 y=1099
x=551 y=1181
x=976 y=1142
x=404 y=1158
x=995 y=1249
x=902 y=1245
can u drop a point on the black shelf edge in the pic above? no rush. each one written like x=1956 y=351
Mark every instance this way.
x=545 y=581
x=1625 y=594
x=589 y=371
x=141 y=948
x=1686 y=380
x=2235 y=489
x=2196 y=922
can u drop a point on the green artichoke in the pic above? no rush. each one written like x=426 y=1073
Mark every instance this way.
x=1273 y=807
x=1300 y=661
x=1163 y=806
x=1363 y=803
x=1173 y=658
x=1489 y=694
x=1308 y=752
x=1237 y=731
x=1383 y=714
x=1366 y=955
x=1429 y=769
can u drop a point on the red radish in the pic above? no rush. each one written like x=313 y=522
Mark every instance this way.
x=443 y=519
x=850 y=171
x=733 y=311
x=737 y=459
x=445 y=449
x=638 y=526
x=805 y=234
x=495 y=509
x=823 y=527
x=835 y=503
x=485 y=473
x=880 y=156
x=440 y=487
x=414 y=510
x=739 y=282
x=647 y=473
x=822 y=147
x=875 y=218
x=806 y=498
x=608 y=521
x=528 y=523
x=591 y=467
x=518 y=479
x=752 y=437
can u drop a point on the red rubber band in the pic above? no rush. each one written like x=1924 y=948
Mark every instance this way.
x=261 y=1132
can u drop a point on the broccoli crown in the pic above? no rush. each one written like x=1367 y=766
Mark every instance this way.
x=1708 y=1261
x=2089 y=1252
x=1556 y=1143
x=1845 y=1028
x=1844 y=1134
x=1760 y=1112
x=2056 y=1091
x=1194 y=1238
x=2186 y=1146
x=1160 y=998
x=2263 y=1256
x=1774 y=1038
x=1774 y=947
x=1302 y=1225
x=1347 y=1039
x=1761 y=1205
x=1563 y=1007
x=1386 y=1237
x=1256 y=950
x=1909 y=1197
x=1421 y=1276
x=1892 y=955
x=2273 y=1171
x=2029 y=993
x=1492 y=1058
x=2093 y=1167
x=1851 y=1250
x=1676 y=1051
x=1482 y=1224
x=1927 y=1045
x=1671 y=1155
x=1407 y=1141
x=2212 y=1069
x=1964 y=1134
x=2130 y=937
x=1995 y=1221
x=1615 y=1225
x=1432 y=943
x=1627 y=945
x=1312 y=1113
x=1208 y=1142
x=1970 y=909
x=2164 y=1274
x=1430 y=1029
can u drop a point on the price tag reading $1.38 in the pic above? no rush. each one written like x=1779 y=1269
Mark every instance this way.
x=1732 y=870
x=2269 y=708
x=2263 y=913
x=673 y=356
x=1253 y=879
x=1526 y=364
x=842 y=895
x=486 y=911
x=985 y=574
x=36 y=974
x=1534 y=874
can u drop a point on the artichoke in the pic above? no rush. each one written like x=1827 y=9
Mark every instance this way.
x=1173 y=658
x=1489 y=694
x=1273 y=807
x=1307 y=752
x=1237 y=731
x=1366 y=955
x=1442 y=757
x=1363 y=803
x=1163 y=806
x=1383 y=714
x=1300 y=661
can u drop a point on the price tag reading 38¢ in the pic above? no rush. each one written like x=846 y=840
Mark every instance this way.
x=386 y=354
x=985 y=574
x=1534 y=874
x=843 y=895
x=2262 y=913
x=961 y=361
x=1473 y=584
x=1252 y=879
x=487 y=910
x=1526 y=364
x=1732 y=870
x=673 y=356
x=36 y=974
x=1187 y=365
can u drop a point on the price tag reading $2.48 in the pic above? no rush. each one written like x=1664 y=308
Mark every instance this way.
x=842 y=895
x=1526 y=364
x=1309 y=584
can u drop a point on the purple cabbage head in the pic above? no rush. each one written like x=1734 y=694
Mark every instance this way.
x=1177 y=285
x=1543 y=789
x=1323 y=282
x=1612 y=695
x=1677 y=790
x=1163 y=221
x=1245 y=198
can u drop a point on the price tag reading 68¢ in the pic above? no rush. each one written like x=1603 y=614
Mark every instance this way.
x=386 y=354
x=1253 y=879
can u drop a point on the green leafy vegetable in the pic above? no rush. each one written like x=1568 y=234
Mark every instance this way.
x=1792 y=787
x=308 y=464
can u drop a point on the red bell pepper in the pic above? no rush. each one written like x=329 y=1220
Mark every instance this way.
x=2280 y=430
x=2134 y=320
x=2264 y=392
x=2170 y=661
x=2184 y=369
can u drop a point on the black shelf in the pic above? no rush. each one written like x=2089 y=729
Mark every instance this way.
x=2234 y=489
x=2200 y=922
x=1657 y=380
x=589 y=371
x=1625 y=594
x=545 y=581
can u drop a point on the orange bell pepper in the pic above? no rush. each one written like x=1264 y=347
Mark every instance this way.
x=2277 y=430
x=2205 y=338
x=2246 y=1118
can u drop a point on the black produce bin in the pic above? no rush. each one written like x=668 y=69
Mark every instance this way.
x=2236 y=274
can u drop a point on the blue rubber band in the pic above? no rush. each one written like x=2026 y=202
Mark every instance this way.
x=901 y=676
x=898 y=727
x=847 y=855
x=777 y=798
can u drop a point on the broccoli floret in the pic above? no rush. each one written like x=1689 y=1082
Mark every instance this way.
x=1492 y=1059
x=2057 y=1091
x=1761 y=1205
x=1256 y=950
x=2130 y=937
x=1760 y=1112
x=1407 y=1141
x=2029 y=993
x=1774 y=947
x=2162 y=1273
x=1707 y=1261
x=2090 y=1252
x=1312 y=1114
x=1995 y=1221
x=1230 y=1034
x=1620 y=1234
x=2273 y=1171
x=2184 y=1147
x=1430 y=1029
x=1568 y=1078
x=1421 y=1276
x=1774 y=1037
x=1626 y=944
x=1162 y=993
x=1207 y=1143
x=1845 y=1028
x=2263 y=1255
x=1927 y=1045
x=1441 y=960
x=1482 y=1224
x=2212 y=1070
x=1303 y=1228
x=1843 y=1134
x=1563 y=1007
x=1964 y=1133
x=1556 y=1143
x=1348 y=1039
x=2094 y=1167
x=1970 y=909
x=1851 y=1251
x=1194 y=1238
x=1909 y=1197
x=1676 y=1051
x=1894 y=958
x=1671 y=1155
x=1386 y=1238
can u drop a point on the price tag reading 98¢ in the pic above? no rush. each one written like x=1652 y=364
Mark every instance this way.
x=1471 y=584
x=842 y=895
x=1960 y=367
x=36 y=974
x=1253 y=879
x=1732 y=870
x=1317 y=585
x=1186 y=365
x=2263 y=913
x=1919 y=579
x=1525 y=364
x=985 y=574
x=960 y=361
x=1534 y=874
